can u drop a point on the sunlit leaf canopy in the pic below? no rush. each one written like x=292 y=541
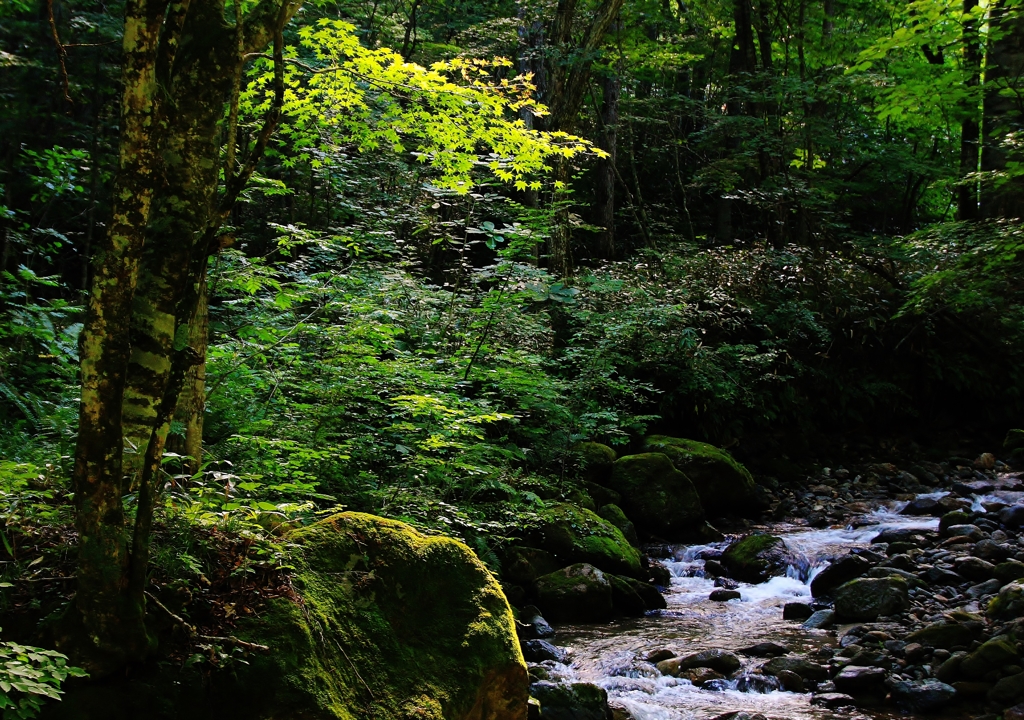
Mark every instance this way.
x=457 y=116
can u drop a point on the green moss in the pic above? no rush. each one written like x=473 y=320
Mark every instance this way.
x=956 y=517
x=393 y=624
x=613 y=514
x=755 y=557
x=724 y=485
x=657 y=497
x=578 y=593
x=595 y=460
x=576 y=535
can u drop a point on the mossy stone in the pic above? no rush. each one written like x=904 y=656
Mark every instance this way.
x=392 y=625
x=595 y=460
x=522 y=565
x=578 y=593
x=625 y=600
x=993 y=654
x=956 y=517
x=613 y=514
x=1009 y=603
x=574 y=535
x=756 y=557
x=865 y=599
x=943 y=635
x=660 y=499
x=724 y=485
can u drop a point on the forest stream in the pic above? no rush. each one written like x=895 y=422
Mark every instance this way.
x=613 y=655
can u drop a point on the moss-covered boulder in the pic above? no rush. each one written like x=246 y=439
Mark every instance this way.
x=993 y=654
x=944 y=635
x=578 y=593
x=392 y=625
x=865 y=599
x=660 y=499
x=522 y=565
x=613 y=514
x=756 y=557
x=595 y=460
x=577 y=535
x=724 y=485
x=1009 y=603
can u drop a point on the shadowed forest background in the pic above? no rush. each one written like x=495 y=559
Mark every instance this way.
x=790 y=230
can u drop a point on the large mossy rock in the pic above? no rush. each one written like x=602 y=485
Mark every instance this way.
x=756 y=557
x=724 y=485
x=865 y=599
x=595 y=460
x=660 y=499
x=392 y=625
x=576 y=535
x=578 y=593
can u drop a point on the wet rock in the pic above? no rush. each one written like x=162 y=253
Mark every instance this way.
x=1007 y=691
x=820 y=620
x=721 y=660
x=756 y=557
x=803 y=667
x=625 y=600
x=727 y=583
x=740 y=715
x=921 y=695
x=713 y=568
x=765 y=649
x=994 y=654
x=975 y=569
x=907 y=535
x=725 y=487
x=856 y=680
x=614 y=515
x=832 y=700
x=796 y=611
x=533 y=709
x=660 y=499
x=1012 y=517
x=1009 y=603
x=1014 y=713
x=1009 y=571
x=792 y=682
x=578 y=701
x=985 y=461
x=867 y=598
x=722 y=595
x=949 y=670
x=840 y=571
x=702 y=676
x=956 y=517
x=886 y=572
x=923 y=506
x=969 y=531
x=914 y=652
x=989 y=587
x=943 y=635
x=754 y=683
x=658 y=655
x=578 y=593
x=532 y=625
x=941 y=576
x=541 y=650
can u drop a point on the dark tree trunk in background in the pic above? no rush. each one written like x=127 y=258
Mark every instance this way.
x=970 y=130
x=1002 y=111
x=605 y=180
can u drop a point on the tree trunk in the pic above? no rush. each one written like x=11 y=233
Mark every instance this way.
x=192 y=403
x=135 y=350
x=967 y=196
x=605 y=180
x=1002 y=113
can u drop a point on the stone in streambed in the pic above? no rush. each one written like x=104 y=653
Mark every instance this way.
x=725 y=487
x=803 y=667
x=923 y=506
x=660 y=499
x=857 y=680
x=578 y=593
x=791 y=682
x=765 y=649
x=865 y=599
x=578 y=701
x=756 y=558
x=625 y=599
x=576 y=535
x=974 y=568
x=721 y=660
x=1007 y=691
x=993 y=654
x=796 y=611
x=1009 y=603
x=541 y=650
x=1008 y=571
x=724 y=595
x=832 y=700
x=943 y=635
x=820 y=620
x=841 y=570
x=921 y=695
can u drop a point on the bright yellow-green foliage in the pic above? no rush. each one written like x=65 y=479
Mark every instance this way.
x=456 y=116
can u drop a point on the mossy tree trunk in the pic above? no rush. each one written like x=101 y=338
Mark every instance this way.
x=1003 y=113
x=179 y=61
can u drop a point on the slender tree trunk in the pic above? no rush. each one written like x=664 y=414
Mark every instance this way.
x=970 y=130
x=192 y=404
x=1002 y=111
x=605 y=180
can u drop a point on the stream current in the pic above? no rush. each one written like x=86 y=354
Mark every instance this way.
x=612 y=655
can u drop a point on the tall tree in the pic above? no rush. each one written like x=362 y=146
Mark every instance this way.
x=1003 y=112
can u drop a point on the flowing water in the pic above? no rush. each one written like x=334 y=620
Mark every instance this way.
x=611 y=655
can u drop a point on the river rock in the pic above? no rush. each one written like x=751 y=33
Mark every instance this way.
x=856 y=680
x=596 y=461
x=613 y=514
x=923 y=506
x=921 y=695
x=803 y=667
x=577 y=535
x=1009 y=603
x=832 y=700
x=796 y=611
x=820 y=620
x=755 y=683
x=541 y=650
x=952 y=518
x=974 y=568
x=968 y=530
x=791 y=682
x=723 y=595
x=1009 y=571
x=1012 y=517
x=1007 y=691
x=756 y=558
x=841 y=570
x=993 y=654
x=989 y=587
x=532 y=624
x=578 y=593
x=578 y=701
x=943 y=635
x=949 y=670
x=725 y=487
x=765 y=649
x=660 y=499
x=721 y=660
x=702 y=676
x=865 y=599
x=1014 y=713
